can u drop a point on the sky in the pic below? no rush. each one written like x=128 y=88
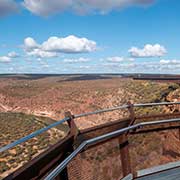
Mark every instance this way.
x=90 y=36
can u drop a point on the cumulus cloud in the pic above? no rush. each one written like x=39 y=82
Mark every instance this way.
x=5 y=59
x=117 y=59
x=32 y=48
x=162 y=66
x=84 y=67
x=148 y=51
x=7 y=7
x=169 y=65
x=49 y=7
x=8 y=58
x=55 y=45
x=41 y=54
x=171 y=62
x=79 y=60
x=119 y=67
x=69 y=44
x=30 y=44
x=13 y=54
x=46 y=7
x=106 y=6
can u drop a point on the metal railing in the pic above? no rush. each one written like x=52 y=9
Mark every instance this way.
x=64 y=163
x=156 y=104
x=102 y=111
x=40 y=131
x=34 y=134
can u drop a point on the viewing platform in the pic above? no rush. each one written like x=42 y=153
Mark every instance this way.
x=104 y=152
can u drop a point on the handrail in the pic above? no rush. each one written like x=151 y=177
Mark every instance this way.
x=107 y=136
x=156 y=104
x=124 y=107
x=101 y=111
x=30 y=136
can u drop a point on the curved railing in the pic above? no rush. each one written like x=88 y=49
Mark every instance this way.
x=36 y=133
x=47 y=163
x=63 y=164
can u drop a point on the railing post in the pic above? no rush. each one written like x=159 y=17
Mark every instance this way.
x=72 y=125
x=124 y=144
x=74 y=132
x=132 y=113
x=124 y=154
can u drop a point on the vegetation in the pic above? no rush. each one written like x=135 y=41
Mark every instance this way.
x=54 y=95
x=16 y=125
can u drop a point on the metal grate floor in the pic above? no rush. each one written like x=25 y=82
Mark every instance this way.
x=169 y=171
x=172 y=174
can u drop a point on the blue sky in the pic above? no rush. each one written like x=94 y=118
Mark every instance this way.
x=83 y=36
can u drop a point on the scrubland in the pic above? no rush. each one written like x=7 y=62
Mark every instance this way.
x=27 y=104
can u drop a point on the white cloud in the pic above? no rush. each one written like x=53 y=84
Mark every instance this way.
x=8 y=57
x=5 y=59
x=169 y=65
x=172 y=62
x=84 y=67
x=46 y=7
x=79 y=60
x=32 y=48
x=41 y=54
x=69 y=44
x=8 y=7
x=43 y=63
x=55 y=45
x=30 y=44
x=49 y=7
x=13 y=54
x=164 y=61
x=103 y=7
x=116 y=59
x=121 y=66
x=148 y=51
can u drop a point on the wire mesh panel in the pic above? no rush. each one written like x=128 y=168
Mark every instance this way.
x=155 y=148
x=100 y=162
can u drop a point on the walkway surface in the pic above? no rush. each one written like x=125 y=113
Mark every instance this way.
x=172 y=174
x=170 y=171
